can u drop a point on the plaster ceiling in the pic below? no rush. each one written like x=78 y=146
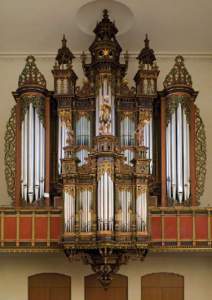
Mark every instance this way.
x=36 y=26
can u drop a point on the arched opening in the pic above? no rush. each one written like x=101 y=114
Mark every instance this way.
x=117 y=290
x=162 y=286
x=49 y=286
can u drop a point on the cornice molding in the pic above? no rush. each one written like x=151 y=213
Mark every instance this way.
x=132 y=55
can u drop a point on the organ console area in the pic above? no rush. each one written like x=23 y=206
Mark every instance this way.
x=103 y=151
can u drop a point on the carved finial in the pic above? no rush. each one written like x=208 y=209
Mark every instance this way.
x=105 y=14
x=31 y=76
x=146 y=55
x=64 y=41
x=64 y=55
x=146 y=41
x=178 y=74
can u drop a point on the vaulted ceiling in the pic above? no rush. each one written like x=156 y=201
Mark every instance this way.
x=36 y=26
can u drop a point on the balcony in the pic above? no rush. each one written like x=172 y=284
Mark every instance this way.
x=41 y=230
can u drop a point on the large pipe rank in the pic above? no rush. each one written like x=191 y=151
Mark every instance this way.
x=178 y=155
x=33 y=156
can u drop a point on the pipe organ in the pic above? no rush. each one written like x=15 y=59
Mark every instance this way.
x=104 y=151
x=32 y=155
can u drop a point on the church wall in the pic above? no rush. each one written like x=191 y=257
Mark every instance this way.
x=16 y=268
x=200 y=69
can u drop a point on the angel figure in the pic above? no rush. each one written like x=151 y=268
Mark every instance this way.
x=105 y=116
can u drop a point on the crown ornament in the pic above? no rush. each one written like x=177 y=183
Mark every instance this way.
x=178 y=76
x=31 y=76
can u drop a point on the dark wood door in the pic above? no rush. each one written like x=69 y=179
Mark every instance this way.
x=162 y=286
x=49 y=286
x=118 y=289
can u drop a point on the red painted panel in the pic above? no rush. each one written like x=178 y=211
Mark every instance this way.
x=41 y=225
x=156 y=227
x=10 y=228
x=25 y=228
x=186 y=227
x=55 y=228
x=201 y=222
x=170 y=227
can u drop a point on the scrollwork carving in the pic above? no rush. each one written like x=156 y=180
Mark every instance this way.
x=38 y=104
x=172 y=105
x=105 y=167
x=201 y=154
x=9 y=153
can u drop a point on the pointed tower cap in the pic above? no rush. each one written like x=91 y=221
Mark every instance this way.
x=31 y=76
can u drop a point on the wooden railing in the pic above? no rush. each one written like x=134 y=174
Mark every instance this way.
x=181 y=227
x=30 y=228
x=42 y=229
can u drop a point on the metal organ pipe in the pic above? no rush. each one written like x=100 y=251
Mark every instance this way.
x=25 y=156
x=105 y=201
x=168 y=159
x=151 y=145
x=178 y=156
x=37 y=156
x=173 y=155
x=141 y=210
x=59 y=146
x=32 y=156
x=111 y=202
x=42 y=159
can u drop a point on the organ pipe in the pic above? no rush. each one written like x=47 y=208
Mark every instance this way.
x=69 y=208
x=32 y=156
x=141 y=210
x=178 y=156
x=125 y=204
x=105 y=202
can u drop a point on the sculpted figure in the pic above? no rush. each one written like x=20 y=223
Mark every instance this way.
x=105 y=116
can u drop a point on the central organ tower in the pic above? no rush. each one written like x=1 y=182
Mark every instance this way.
x=105 y=140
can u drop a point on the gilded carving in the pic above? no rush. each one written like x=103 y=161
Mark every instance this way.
x=105 y=117
x=38 y=104
x=178 y=74
x=140 y=189
x=173 y=102
x=105 y=167
x=70 y=190
x=9 y=153
x=31 y=75
x=201 y=154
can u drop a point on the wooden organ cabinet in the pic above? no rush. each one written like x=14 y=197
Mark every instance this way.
x=105 y=151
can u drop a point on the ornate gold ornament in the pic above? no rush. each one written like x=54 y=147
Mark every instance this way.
x=172 y=104
x=105 y=167
x=140 y=189
x=201 y=154
x=65 y=117
x=85 y=187
x=70 y=190
x=31 y=75
x=37 y=102
x=178 y=75
x=9 y=153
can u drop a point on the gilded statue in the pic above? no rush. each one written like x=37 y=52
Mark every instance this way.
x=105 y=116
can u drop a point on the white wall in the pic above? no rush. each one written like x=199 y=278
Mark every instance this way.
x=199 y=67
x=15 y=269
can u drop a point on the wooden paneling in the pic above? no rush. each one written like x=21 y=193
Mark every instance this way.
x=162 y=286
x=118 y=289
x=49 y=286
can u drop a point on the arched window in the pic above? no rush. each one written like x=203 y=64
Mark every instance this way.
x=49 y=286
x=162 y=286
